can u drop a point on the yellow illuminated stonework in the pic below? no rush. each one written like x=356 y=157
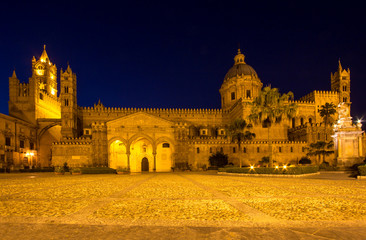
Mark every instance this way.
x=148 y=139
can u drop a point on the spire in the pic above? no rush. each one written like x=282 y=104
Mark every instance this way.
x=239 y=58
x=68 y=67
x=14 y=75
x=339 y=65
x=44 y=55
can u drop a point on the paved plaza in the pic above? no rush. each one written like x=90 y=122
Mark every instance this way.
x=181 y=206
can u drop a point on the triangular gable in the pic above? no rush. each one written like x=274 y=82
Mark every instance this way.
x=140 y=119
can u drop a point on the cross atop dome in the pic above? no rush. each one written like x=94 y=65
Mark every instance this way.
x=239 y=58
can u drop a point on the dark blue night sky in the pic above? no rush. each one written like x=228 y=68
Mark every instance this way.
x=176 y=54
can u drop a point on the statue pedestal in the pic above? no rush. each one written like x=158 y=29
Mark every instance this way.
x=348 y=142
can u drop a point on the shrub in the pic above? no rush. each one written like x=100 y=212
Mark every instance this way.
x=75 y=170
x=218 y=159
x=305 y=160
x=183 y=166
x=97 y=170
x=60 y=169
x=66 y=167
x=36 y=170
x=362 y=170
x=262 y=170
x=122 y=169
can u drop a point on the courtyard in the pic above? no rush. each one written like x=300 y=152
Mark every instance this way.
x=181 y=206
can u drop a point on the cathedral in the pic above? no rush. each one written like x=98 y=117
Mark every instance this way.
x=46 y=126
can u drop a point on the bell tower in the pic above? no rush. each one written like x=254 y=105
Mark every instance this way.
x=69 y=108
x=341 y=83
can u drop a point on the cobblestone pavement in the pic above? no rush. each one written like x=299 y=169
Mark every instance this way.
x=181 y=206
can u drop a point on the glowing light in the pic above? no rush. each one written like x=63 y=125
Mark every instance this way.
x=53 y=91
x=252 y=167
x=284 y=166
x=52 y=77
x=43 y=60
x=39 y=72
x=359 y=121
x=32 y=154
x=276 y=167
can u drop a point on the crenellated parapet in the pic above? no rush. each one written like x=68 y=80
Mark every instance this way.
x=106 y=110
x=74 y=141
x=311 y=97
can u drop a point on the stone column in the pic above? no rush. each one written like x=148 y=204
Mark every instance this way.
x=154 y=154
x=128 y=160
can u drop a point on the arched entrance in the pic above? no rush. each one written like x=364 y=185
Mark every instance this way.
x=145 y=165
x=141 y=155
x=117 y=155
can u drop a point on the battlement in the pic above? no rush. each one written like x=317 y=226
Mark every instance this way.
x=303 y=102
x=150 y=110
x=227 y=142
x=74 y=141
x=311 y=96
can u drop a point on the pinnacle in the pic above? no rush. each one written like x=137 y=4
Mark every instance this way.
x=14 y=74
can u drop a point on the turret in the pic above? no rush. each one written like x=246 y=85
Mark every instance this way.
x=341 y=83
x=68 y=100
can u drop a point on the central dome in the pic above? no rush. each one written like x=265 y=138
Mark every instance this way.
x=240 y=68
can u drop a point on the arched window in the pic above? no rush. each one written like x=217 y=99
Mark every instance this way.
x=245 y=150
x=233 y=96
x=310 y=120
x=166 y=145
x=301 y=121
x=293 y=122
x=198 y=150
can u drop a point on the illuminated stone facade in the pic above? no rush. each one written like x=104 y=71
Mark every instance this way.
x=153 y=139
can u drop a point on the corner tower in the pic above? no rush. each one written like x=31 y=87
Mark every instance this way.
x=240 y=82
x=37 y=98
x=69 y=107
x=341 y=83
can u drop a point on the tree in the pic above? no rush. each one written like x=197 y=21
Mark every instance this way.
x=305 y=160
x=238 y=130
x=218 y=159
x=272 y=106
x=321 y=148
x=326 y=111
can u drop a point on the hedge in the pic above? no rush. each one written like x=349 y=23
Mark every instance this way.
x=263 y=170
x=362 y=170
x=97 y=170
x=36 y=170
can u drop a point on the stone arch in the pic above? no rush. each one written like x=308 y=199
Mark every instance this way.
x=140 y=135
x=117 y=153
x=141 y=146
x=46 y=136
x=311 y=119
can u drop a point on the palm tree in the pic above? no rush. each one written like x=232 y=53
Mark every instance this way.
x=271 y=106
x=326 y=111
x=321 y=148
x=238 y=130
